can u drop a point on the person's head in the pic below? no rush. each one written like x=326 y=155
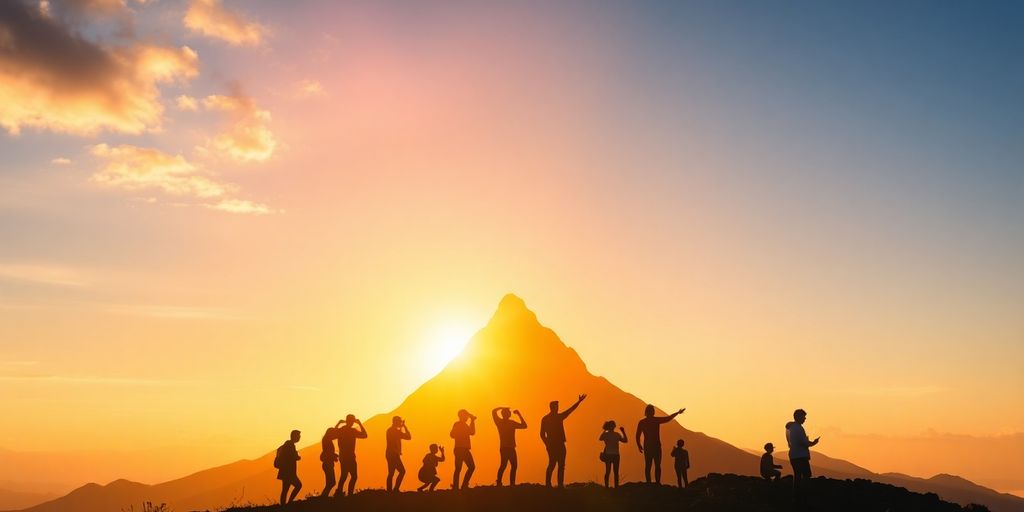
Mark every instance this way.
x=680 y=443
x=506 y=413
x=295 y=436
x=350 y=419
x=396 y=421
x=463 y=415
x=433 y=448
x=553 y=406
x=609 y=425
x=768 y=447
x=800 y=416
x=649 y=410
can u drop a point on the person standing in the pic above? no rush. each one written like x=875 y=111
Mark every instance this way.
x=552 y=433
x=328 y=458
x=682 y=463
x=610 y=454
x=461 y=432
x=799 y=447
x=347 y=436
x=649 y=430
x=507 y=441
x=285 y=461
x=769 y=469
x=393 y=452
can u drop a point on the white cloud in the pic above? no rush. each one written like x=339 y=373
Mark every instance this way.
x=211 y=19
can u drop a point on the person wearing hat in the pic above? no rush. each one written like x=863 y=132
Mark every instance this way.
x=769 y=469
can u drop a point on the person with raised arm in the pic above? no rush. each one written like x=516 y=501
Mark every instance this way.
x=610 y=455
x=347 y=436
x=552 y=433
x=428 y=472
x=329 y=457
x=393 y=452
x=507 y=441
x=461 y=432
x=648 y=430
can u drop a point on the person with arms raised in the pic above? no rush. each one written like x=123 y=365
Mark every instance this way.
x=461 y=432
x=649 y=431
x=507 y=441
x=552 y=433
x=328 y=458
x=610 y=454
x=347 y=436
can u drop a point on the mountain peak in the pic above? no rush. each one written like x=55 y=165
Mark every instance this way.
x=513 y=309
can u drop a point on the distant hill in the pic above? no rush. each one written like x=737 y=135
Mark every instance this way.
x=513 y=361
x=715 y=493
x=14 y=499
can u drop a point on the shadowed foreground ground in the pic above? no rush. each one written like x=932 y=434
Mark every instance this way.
x=723 y=493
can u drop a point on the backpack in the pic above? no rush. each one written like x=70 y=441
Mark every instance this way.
x=277 y=458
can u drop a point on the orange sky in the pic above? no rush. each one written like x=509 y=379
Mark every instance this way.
x=300 y=213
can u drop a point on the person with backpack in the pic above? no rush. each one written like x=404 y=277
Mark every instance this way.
x=286 y=461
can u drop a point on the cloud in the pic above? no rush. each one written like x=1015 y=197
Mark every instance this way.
x=185 y=102
x=43 y=274
x=248 y=138
x=211 y=19
x=61 y=161
x=52 y=78
x=309 y=89
x=241 y=206
x=134 y=168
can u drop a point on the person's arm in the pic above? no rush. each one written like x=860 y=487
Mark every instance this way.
x=622 y=435
x=639 y=433
x=686 y=459
x=406 y=434
x=494 y=414
x=522 y=422
x=452 y=433
x=362 y=431
x=569 y=411
x=441 y=459
x=812 y=443
x=670 y=417
x=472 y=425
x=543 y=431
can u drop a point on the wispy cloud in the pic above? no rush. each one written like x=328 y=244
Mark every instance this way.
x=241 y=206
x=248 y=137
x=44 y=274
x=211 y=19
x=309 y=89
x=61 y=161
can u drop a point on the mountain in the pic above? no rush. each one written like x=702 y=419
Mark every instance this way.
x=15 y=499
x=513 y=361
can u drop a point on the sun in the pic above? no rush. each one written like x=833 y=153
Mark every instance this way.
x=445 y=342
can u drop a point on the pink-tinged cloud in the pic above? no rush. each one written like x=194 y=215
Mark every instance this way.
x=248 y=137
x=211 y=19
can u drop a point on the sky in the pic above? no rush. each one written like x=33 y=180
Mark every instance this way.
x=221 y=220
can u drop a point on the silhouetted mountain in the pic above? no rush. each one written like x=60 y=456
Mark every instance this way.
x=11 y=499
x=715 y=493
x=513 y=361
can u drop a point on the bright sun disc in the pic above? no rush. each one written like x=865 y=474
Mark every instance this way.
x=446 y=343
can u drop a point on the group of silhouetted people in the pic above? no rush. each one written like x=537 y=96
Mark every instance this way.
x=552 y=433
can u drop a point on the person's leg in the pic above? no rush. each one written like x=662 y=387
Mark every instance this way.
x=458 y=468
x=607 y=471
x=329 y=478
x=355 y=476
x=470 y=468
x=433 y=484
x=513 y=462
x=400 y=468
x=391 y=472
x=679 y=478
x=648 y=461
x=657 y=465
x=501 y=466
x=686 y=479
x=561 y=466
x=551 y=465
x=615 y=469
x=284 y=491
x=295 y=490
x=342 y=477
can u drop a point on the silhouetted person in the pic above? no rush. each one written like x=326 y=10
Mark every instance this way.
x=393 y=452
x=507 y=441
x=769 y=469
x=799 y=449
x=552 y=432
x=649 y=430
x=328 y=458
x=285 y=462
x=610 y=454
x=347 y=436
x=461 y=431
x=681 y=463
x=428 y=472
